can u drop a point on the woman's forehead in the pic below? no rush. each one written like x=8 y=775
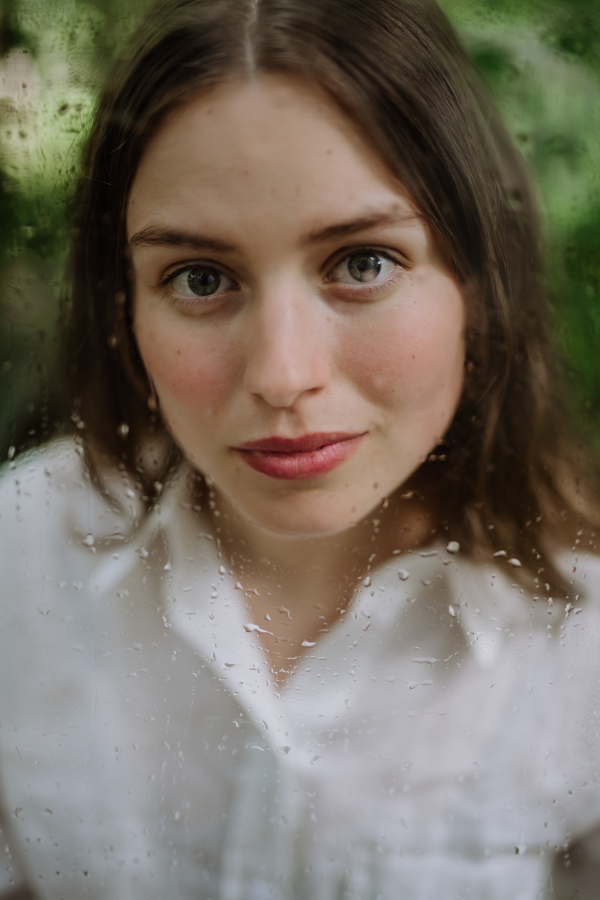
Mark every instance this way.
x=266 y=147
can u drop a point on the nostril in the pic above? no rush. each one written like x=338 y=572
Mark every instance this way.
x=281 y=380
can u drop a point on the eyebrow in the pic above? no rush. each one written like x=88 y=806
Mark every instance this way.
x=363 y=223
x=156 y=235
x=153 y=235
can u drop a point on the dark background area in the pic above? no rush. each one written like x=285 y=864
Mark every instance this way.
x=540 y=60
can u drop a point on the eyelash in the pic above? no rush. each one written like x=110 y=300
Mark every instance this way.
x=365 y=288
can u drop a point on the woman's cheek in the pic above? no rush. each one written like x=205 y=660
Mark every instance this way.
x=406 y=359
x=187 y=371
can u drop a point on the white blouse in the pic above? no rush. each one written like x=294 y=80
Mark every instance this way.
x=439 y=741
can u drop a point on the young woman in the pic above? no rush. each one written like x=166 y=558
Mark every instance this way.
x=308 y=605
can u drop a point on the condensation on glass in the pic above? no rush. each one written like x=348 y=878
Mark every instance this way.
x=438 y=740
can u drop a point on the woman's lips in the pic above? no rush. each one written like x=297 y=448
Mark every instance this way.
x=298 y=458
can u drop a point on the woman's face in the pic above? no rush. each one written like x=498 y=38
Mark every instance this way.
x=302 y=331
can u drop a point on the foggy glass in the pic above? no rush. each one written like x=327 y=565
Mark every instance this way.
x=173 y=771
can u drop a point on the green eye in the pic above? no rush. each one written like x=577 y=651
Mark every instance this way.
x=200 y=281
x=362 y=267
x=204 y=281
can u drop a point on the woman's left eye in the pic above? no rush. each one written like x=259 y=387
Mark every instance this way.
x=199 y=281
x=362 y=267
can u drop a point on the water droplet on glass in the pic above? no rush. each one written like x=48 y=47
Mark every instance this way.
x=500 y=553
x=222 y=570
x=89 y=540
x=309 y=643
x=514 y=562
x=403 y=574
x=18 y=811
x=452 y=610
x=123 y=430
x=453 y=547
x=250 y=627
x=367 y=581
x=11 y=454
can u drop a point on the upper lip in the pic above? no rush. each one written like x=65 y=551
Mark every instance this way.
x=305 y=443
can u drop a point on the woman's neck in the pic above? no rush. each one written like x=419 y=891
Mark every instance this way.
x=296 y=588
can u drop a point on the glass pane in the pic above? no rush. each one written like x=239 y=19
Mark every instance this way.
x=298 y=546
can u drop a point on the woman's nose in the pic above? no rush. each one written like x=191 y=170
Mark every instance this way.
x=286 y=347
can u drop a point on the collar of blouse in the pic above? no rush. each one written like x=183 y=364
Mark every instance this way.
x=442 y=608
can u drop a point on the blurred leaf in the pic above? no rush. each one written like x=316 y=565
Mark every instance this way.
x=575 y=29
x=12 y=34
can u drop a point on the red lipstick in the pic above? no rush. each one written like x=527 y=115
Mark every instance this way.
x=299 y=458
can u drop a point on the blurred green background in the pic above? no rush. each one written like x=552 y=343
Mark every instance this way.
x=539 y=58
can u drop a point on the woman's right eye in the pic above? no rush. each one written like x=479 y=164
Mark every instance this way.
x=199 y=281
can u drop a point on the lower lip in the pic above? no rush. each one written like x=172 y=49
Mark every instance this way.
x=301 y=465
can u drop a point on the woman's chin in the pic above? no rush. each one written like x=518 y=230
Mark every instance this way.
x=299 y=517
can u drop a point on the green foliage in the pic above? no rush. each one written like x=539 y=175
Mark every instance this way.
x=575 y=29
x=575 y=288
x=12 y=34
x=545 y=82
x=31 y=396
x=539 y=59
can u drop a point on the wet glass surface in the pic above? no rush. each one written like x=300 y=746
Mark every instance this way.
x=434 y=733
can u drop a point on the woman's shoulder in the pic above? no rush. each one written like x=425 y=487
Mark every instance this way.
x=579 y=566
x=50 y=494
x=39 y=482
x=492 y=590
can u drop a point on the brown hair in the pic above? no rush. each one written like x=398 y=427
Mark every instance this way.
x=509 y=468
